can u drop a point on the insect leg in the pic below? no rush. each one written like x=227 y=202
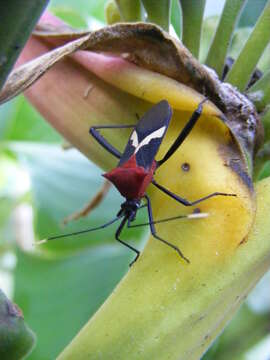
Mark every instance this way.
x=103 y=142
x=117 y=234
x=185 y=201
x=189 y=216
x=153 y=231
x=79 y=232
x=183 y=134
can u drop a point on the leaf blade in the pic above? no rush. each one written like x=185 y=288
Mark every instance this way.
x=248 y=58
x=219 y=47
x=192 y=17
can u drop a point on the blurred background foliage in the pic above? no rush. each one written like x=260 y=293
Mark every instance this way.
x=59 y=286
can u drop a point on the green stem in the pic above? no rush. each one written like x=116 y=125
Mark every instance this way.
x=158 y=12
x=146 y=334
x=223 y=36
x=112 y=13
x=18 y=19
x=176 y=18
x=130 y=10
x=248 y=58
x=192 y=13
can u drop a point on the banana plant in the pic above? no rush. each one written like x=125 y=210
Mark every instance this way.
x=164 y=308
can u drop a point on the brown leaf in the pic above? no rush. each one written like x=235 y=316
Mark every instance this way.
x=149 y=47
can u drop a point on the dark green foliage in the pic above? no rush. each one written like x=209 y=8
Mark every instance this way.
x=17 y=19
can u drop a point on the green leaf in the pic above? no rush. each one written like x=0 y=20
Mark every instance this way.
x=63 y=182
x=158 y=12
x=71 y=16
x=222 y=38
x=7 y=112
x=265 y=171
x=13 y=185
x=176 y=17
x=20 y=121
x=113 y=15
x=18 y=19
x=240 y=36
x=59 y=295
x=192 y=12
x=130 y=10
x=85 y=8
x=237 y=338
x=251 y=12
x=264 y=61
x=208 y=29
x=246 y=62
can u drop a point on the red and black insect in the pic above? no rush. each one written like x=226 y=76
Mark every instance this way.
x=137 y=166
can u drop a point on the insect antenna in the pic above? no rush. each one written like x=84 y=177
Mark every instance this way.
x=190 y=216
x=79 y=232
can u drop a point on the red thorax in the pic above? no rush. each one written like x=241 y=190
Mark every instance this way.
x=130 y=179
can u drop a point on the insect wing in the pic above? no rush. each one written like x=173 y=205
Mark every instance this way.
x=147 y=136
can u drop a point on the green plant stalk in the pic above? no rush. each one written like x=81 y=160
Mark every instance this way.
x=259 y=93
x=17 y=19
x=223 y=35
x=192 y=17
x=248 y=58
x=130 y=10
x=195 y=315
x=158 y=12
x=112 y=13
x=176 y=18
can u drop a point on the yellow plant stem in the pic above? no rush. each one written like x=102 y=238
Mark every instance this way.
x=165 y=308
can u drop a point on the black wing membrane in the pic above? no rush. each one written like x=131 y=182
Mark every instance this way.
x=148 y=134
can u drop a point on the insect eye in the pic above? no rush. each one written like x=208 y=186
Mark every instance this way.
x=185 y=167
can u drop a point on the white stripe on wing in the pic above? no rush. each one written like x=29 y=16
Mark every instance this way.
x=154 y=135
